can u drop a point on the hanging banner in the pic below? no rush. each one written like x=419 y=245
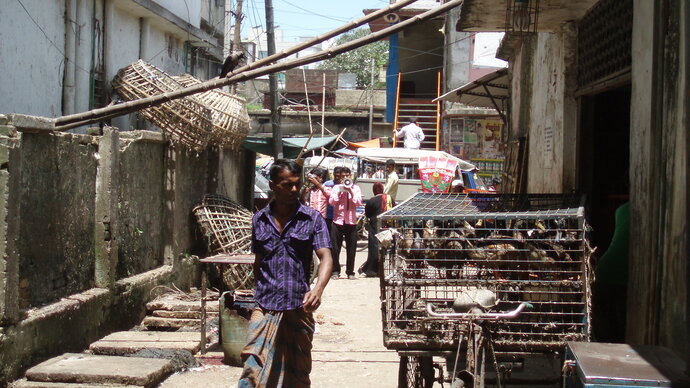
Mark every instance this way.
x=436 y=173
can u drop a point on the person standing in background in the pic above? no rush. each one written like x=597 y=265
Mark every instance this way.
x=345 y=198
x=375 y=205
x=391 y=187
x=318 y=193
x=412 y=133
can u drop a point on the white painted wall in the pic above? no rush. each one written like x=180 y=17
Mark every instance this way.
x=31 y=60
x=35 y=53
x=187 y=10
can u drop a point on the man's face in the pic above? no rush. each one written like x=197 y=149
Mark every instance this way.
x=286 y=188
x=337 y=177
x=389 y=168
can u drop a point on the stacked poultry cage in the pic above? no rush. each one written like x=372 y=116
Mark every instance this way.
x=525 y=248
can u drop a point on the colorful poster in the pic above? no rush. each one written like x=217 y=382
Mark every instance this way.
x=436 y=173
x=470 y=131
x=456 y=130
x=489 y=130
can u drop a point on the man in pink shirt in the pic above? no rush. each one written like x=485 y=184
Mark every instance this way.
x=318 y=194
x=344 y=199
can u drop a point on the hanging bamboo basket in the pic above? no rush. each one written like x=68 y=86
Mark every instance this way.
x=228 y=112
x=186 y=121
x=227 y=227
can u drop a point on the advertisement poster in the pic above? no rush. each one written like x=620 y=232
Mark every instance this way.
x=456 y=130
x=470 y=131
x=436 y=173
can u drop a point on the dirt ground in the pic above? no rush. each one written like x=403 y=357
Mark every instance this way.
x=348 y=344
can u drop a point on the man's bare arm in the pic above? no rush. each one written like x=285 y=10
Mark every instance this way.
x=312 y=299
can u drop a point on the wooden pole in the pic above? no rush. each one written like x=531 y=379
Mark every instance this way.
x=76 y=120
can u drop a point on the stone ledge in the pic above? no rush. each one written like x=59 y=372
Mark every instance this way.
x=27 y=123
x=72 y=302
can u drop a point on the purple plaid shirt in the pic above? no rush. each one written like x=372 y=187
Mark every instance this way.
x=283 y=276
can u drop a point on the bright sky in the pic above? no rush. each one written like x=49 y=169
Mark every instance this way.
x=307 y=17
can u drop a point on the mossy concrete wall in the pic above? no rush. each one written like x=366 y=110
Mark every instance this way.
x=90 y=226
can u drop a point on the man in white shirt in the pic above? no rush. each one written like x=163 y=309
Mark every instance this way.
x=391 y=187
x=412 y=134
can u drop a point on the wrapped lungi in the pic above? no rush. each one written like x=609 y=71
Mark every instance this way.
x=278 y=350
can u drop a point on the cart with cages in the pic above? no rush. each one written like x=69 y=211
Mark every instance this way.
x=484 y=289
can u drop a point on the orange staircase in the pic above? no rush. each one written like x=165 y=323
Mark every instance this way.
x=428 y=118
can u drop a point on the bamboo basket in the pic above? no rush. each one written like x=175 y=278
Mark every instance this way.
x=227 y=227
x=187 y=121
x=228 y=113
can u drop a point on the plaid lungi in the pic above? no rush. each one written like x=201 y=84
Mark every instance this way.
x=278 y=350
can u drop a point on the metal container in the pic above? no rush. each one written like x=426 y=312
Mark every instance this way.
x=524 y=248
x=602 y=365
x=235 y=311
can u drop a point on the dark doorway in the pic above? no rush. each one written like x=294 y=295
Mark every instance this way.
x=604 y=159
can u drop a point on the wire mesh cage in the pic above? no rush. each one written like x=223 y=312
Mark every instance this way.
x=227 y=227
x=186 y=121
x=525 y=248
x=228 y=113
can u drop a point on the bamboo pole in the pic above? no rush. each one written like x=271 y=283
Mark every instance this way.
x=76 y=120
x=276 y=57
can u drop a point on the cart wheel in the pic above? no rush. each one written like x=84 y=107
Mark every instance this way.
x=415 y=372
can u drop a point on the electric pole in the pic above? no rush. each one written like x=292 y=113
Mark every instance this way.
x=236 y=43
x=273 y=85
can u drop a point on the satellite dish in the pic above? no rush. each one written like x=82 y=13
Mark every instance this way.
x=391 y=18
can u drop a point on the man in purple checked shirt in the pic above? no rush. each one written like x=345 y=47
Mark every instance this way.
x=281 y=328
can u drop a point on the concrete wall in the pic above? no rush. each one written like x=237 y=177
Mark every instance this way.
x=359 y=98
x=58 y=181
x=50 y=48
x=31 y=62
x=552 y=124
x=658 y=301
x=457 y=53
x=188 y=10
x=420 y=50
x=89 y=225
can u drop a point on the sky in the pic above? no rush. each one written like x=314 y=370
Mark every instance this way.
x=307 y=17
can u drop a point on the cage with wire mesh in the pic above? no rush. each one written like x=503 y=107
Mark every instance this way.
x=525 y=248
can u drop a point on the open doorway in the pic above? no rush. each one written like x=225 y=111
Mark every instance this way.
x=604 y=159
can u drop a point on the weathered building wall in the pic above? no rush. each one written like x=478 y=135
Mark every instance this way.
x=58 y=180
x=660 y=109
x=29 y=64
x=90 y=225
x=456 y=53
x=552 y=124
x=141 y=211
x=420 y=52
x=60 y=48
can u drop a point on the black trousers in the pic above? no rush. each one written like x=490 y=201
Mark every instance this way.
x=349 y=234
x=371 y=267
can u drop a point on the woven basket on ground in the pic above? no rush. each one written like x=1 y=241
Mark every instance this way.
x=185 y=121
x=228 y=112
x=227 y=227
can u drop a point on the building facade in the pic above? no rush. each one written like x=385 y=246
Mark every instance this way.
x=60 y=56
